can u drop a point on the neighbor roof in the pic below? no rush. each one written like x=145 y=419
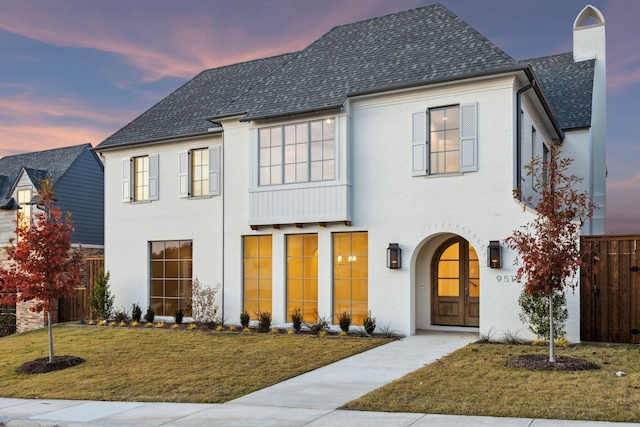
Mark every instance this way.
x=37 y=165
x=411 y=48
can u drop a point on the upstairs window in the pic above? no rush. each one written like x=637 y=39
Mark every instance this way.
x=200 y=172
x=294 y=153
x=140 y=178
x=444 y=140
x=24 y=197
x=444 y=153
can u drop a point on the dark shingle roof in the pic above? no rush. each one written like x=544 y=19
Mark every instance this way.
x=568 y=86
x=183 y=112
x=37 y=165
x=414 y=47
x=406 y=48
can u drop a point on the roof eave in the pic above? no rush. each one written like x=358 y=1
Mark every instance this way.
x=327 y=109
x=100 y=149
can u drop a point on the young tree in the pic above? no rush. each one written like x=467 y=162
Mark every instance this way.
x=548 y=248
x=43 y=265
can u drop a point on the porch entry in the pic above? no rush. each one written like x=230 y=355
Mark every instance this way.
x=456 y=284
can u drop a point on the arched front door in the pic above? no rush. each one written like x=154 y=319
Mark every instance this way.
x=456 y=284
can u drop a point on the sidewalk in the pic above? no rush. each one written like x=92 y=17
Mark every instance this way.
x=310 y=399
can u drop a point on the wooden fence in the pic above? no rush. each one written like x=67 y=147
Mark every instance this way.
x=610 y=289
x=76 y=308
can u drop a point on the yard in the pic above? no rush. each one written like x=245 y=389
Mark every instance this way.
x=474 y=381
x=144 y=364
x=149 y=364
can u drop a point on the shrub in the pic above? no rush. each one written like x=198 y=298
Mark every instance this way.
x=512 y=338
x=387 y=332
x=264 y=321
x=134 y=324
x=486 y=337
x=200 y=302
x=535 y=312
x=296 y=319
x=244 y=319
x=369 y=323
x=178 y=316
x=136 y=313
x=150 y=315
x=7 y=320
x=121 y=315
x=344 y=320
x=101 y=300
x=319 y=326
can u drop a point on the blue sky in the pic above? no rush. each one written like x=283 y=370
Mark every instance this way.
x=76 y=71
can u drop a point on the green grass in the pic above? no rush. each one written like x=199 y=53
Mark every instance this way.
x=149 y=364
x=474 y=381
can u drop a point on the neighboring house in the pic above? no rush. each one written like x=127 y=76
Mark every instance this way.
x=286 y=181
x=78 y=182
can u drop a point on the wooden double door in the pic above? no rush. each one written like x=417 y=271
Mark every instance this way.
x=456 y=284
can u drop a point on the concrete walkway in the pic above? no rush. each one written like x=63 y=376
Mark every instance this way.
x=310 y=399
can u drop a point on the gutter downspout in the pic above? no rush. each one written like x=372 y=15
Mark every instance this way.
x=532 y=83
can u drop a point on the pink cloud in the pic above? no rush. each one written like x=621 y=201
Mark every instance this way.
x=169 y=41
x=27 y=138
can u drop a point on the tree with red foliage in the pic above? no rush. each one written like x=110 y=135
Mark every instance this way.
x=43 y=265
x=548 y=248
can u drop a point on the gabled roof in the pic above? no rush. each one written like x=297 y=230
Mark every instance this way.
x=37 y=165
x=411 y=48
x=184 y=111
x=568 y=86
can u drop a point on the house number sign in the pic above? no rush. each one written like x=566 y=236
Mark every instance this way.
x=506 y=279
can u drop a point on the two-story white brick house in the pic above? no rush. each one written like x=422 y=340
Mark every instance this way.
x=287 y=180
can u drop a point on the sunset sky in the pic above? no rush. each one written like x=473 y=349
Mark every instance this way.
x=76 y=71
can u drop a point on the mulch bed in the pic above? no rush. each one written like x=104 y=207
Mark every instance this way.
x=540 y=362
x=42 y=365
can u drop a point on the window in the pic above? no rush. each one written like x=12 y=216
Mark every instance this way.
x=302 y=275
x=444 y=154
x=140 y=178
x=545 y=164
x=351 y=275
x=257 y=274
x=302 y=152
x=24 y=197
x=444 y=140
x=533 y=155
x=171 y=276
x=200 y=172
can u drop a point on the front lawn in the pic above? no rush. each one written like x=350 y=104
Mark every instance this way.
x=474 y=381
x=149 y=364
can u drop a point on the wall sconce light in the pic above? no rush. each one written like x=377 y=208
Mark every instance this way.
x=394 y=256
x=494 y=254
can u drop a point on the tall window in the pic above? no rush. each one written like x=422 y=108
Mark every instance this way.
x=199 y=172
x=141 y=178
x=171 y=276
x=24 y=197
x=351 y=275
x=257 y=274
x=533 y=155
x=300 y=152
x=302 y=275
x=545 y=164
x=444 y=125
